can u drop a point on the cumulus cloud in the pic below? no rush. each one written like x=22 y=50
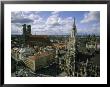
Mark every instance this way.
x=91 y=16
x=28 y=17
x=24 y=17
x=92 y=21
x=16 y=29
x=53 y=24
x=57 y=25
x=53 y=20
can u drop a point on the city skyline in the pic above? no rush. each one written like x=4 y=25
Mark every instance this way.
x=69 y=56
x=56 y=23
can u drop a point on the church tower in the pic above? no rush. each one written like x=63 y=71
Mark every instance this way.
x=26 y=34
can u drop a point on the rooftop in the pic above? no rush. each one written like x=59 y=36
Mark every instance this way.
x=40 y=55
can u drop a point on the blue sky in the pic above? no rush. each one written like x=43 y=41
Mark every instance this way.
x=56 y=22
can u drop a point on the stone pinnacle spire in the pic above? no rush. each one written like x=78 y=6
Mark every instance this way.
x=74 y=25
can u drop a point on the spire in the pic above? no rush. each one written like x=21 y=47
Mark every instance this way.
x=74 y=25
x=73 y=30
x=74 y=20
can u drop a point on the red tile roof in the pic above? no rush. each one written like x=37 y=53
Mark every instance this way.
x=42 y=54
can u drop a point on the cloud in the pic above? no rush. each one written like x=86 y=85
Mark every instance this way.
x=53 y=24
x=24 y=20
x=92 y=29
x=58 y=25
x=67 y=21
x=29 y=17
x=53 y=20
x=91 y=16
x=16 y=28
x=24 y=16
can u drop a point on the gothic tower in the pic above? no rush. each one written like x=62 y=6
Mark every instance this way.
x=71 y=52
x=73 y=31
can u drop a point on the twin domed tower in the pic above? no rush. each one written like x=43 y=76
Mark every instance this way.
x=26 y=33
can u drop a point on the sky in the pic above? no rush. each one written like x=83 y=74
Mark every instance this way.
x=56 y=22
